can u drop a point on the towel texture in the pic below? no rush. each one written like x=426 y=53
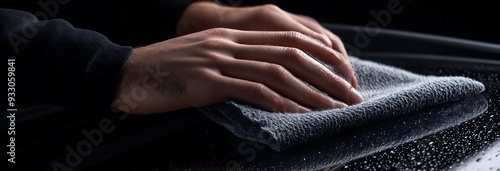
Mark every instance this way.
x=387 y=92
x=373 y=138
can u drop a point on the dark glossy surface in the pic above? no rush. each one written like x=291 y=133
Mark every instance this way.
x=463 y=135
x=471 y=145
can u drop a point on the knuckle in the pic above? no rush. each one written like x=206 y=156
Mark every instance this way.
x=214 y=43
x=342 y=59
x=270 y=7
x=335 y=39
x=291 y=51
x=294 y=54
x=267 y=13
x=257 y=90
x=277 y=73
x=222 y=32
x=293 y=36
x=208 y=75
x=322 y=37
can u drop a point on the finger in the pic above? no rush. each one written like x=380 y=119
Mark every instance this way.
x=288 y=23
x=337 y=43
x=258 y=95
x=310 y=32
x=297 y=40
x=303 y=67
x=278 y=79
x=352 y=77
x=275 y=19
x=314 y=25
x=308 y=22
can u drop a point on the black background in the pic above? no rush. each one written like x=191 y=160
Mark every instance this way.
x=474 y=20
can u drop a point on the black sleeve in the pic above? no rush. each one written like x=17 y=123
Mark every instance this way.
x=130 y=22
x=57 y=64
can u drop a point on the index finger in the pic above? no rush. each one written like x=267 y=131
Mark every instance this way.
x=337 y=43
x=298 y=40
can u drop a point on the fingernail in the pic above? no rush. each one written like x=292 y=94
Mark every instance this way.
x=302 y=109
x=340 y=105
x=354 y=83
x=354 y=96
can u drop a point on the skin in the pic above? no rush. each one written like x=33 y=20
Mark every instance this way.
x=258 y=55
x=204 y=15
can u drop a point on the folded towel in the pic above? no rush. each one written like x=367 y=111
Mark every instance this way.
x=387 y=92
x=373 y=138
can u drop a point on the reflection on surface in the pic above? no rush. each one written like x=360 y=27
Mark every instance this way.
x=367 y=140
x=451 y=148
x=435 y=139
x=488 y=159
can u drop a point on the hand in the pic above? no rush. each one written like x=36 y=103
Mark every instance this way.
x=204 y=15
x=264 y=69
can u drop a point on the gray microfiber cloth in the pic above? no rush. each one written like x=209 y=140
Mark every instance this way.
x=387 y=92
x=372 y=138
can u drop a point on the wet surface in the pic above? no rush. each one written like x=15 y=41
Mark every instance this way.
x=463 y=147
x=462 y=135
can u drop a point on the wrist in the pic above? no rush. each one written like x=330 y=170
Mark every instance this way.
x=130 y=72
